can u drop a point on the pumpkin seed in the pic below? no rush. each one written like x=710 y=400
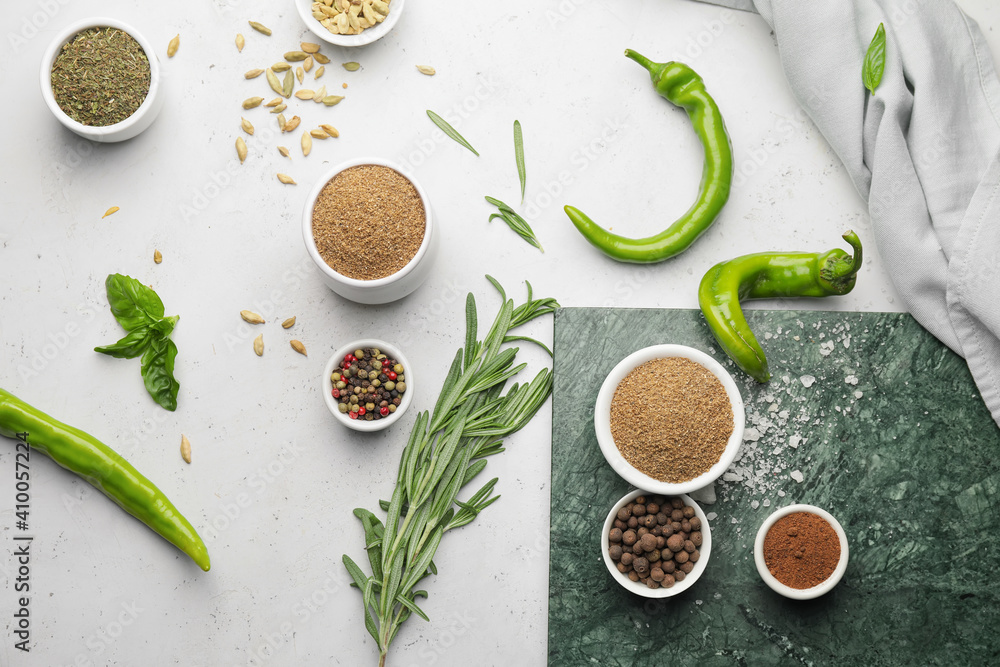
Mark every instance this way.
x=281 y=67
x=332 y=100
x=309 y=47
x=263 y=29
x=424 y=69
x=172 y=46
x=305 y=94
x=258 y=345
x=283 y=151
x=110 y=211
x=246 y=125
x=298 y=347
x=240 y=42
x=289 y=323
x=253 y=74
x=157 y=257
x=251 y=317
x=251 y=102
x=272 y=80
x=307 y=143
x=185 y=449
x=352 y=66
x=241 y=149
x=288 y=84
x=319 y=72
x=296 y=56
x=331 y=130
x=321 y=59
x=286 y=179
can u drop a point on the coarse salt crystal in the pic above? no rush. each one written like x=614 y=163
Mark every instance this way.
x=807 y=381
x=858 y=394
x=781 y=494
x=711 y=516
x=851 y=379
x=767 y=502
x=754 y=504
x=731 y=477
x=796 y=475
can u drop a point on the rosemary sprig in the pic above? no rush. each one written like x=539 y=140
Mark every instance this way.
x=519 y=156
x=450 y=131
x=446 y=450
x=515 y=222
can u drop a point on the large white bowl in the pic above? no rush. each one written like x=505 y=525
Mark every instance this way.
x=131 y=126
x=366 y=37
x=383 y=290
x=361 y=424
x=602 y=420
x=638 y=587
x=788 y=591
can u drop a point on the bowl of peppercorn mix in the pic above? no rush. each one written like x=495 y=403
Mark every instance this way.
x=367 y=384
x=656 y=546
x=669 y=419
x=101 y=79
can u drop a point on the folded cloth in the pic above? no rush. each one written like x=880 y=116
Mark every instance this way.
x=923 y=151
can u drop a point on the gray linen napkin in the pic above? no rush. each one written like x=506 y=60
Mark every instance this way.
x=923 y=151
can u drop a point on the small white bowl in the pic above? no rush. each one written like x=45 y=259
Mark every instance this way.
x=334 y=363
x=602 y=420
x=638 y=587
x=382 y=290
x=366 y=37
x=131 y=126
x=788 y=591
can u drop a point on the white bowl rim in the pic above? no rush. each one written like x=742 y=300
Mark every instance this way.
x=62 y=38
x=602 y=419
x=334 y=362
x=307 y=231
x=788 y=591
x=377 y=32
x=639 y=588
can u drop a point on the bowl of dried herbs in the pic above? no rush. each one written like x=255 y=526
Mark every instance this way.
x=101 y=79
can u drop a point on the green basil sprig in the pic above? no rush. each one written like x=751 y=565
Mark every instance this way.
x=140 y=312
x=874 y=65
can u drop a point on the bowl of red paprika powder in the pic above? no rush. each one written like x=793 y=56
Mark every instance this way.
x=801 y=552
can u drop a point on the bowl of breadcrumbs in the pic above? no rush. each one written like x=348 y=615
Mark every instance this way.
x=669 y=419
x=369 y=230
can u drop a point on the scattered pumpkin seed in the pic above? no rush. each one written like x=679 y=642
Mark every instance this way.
x=309 y=47
x=261 y=28
x=307 y=143
x=319 y=72
x=305 y=94
x=332 y=100
x=251 y=102
x=352 y=66
x=157 y=257
x=283 y=151
x=288 y=84
x=172 y=46
x=240 y=42
x=258 y=345
x=307 y=64
x=241 y=149
x=251 y=317
x=185 y=449
x=331 y=130
x=321 y=59
x=286 y=179
x=253 y=74
x=289 y=323
x=292 y=124
x=298 y=347
x=110 y=211
x=281 y=67
x=300 y=74
x=319 y=134
x=424 y=69
x=296 y=56
x=246 y=125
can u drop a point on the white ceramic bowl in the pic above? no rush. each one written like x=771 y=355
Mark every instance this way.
x=640 y=588
x=131 y=126
x=602 y=420
x=366 y=37
x=383 y=290
x=788 y=591
x=334 y=363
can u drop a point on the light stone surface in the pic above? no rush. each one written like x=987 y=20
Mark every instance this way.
x=273 y=478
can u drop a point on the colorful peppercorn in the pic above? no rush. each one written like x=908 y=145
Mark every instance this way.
x=369 y=385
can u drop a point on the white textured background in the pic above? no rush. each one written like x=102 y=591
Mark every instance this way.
x=274 y=479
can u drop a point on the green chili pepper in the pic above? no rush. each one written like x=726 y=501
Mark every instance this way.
x=108 y=472
x=681 y=86
x=767 y=276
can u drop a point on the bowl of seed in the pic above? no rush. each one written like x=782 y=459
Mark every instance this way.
x=347 y=23
x=370 y=232
x=656 y=546
x=801 y=551
x=367 y=384
x=669 y=419
x=101 y=79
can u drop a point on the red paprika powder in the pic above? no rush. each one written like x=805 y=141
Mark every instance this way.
x=801 y=550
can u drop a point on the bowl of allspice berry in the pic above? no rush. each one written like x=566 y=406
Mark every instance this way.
x=654 y=545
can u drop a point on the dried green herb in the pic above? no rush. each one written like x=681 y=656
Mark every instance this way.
x=515 y=222
x=100 y=77
x=450 y=131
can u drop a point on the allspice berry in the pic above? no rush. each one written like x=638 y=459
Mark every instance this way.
x=689 y=546
x=638 y=510
x=624 y=514
x=627 y=559
x=615 y=535
x=615 y=551
x=675 y=543
x=688 y=511
x=679 y=575
x=656 y=574
x=629 y=537
x=695 y=523
x=681 y=557
x=687 y=567
x=648 y=542
x=641 y=566
x=668 y=581
x=696 y=538
x=677 y=515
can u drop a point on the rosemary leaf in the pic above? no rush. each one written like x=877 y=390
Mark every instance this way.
x=515 y=222
x=450 y=131
x=519 y=158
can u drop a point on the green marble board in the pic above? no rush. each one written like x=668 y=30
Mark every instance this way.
x=885 y=429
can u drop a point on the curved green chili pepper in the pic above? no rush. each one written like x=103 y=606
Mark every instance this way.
x=108 y=472
x=681 y=86
x=767 y=276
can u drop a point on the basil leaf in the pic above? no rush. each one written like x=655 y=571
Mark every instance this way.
x=874 y=65
x=158 y=372
x=129 y=347
x=132 y=303
x=165 y=325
